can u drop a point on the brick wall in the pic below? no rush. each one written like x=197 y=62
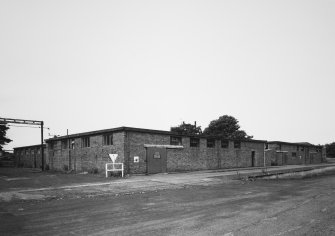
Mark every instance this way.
x=295 y=154
x=192 y=158
x=241 y=157
x=136 y=147
x=29 y=157
x=85 y=158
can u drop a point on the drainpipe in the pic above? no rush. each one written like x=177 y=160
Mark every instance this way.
x=264 y=156
x=126 y=155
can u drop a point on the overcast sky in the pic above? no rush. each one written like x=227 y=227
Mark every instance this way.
x=89 y=65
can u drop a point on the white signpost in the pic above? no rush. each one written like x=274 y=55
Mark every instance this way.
x=110 y=167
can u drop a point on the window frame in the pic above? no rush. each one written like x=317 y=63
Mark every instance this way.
x=237 y=144
x=223 y=141
x=195 y=143
x=211 y=143
x=179 y=140
x=85 y=142
x=107 y=139
x=64 y=144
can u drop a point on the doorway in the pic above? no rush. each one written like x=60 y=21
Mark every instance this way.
x=253 y=161
x=156 y=160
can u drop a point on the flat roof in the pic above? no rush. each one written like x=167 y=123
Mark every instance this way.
x=149 y=131
x=303 y=144
x=30 y=146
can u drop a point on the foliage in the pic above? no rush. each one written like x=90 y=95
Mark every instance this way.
x=226 y=127
x=3 y=138
x=65 y=167
x=187 y=129
x=330 y=149
x=93 y=170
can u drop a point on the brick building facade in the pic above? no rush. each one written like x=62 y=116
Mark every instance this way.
x=29 y=156
x=145 y=151
x=284 y=153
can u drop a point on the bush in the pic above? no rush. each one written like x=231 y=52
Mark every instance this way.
x=93 y=170
x=65 y=167
x=273 y=163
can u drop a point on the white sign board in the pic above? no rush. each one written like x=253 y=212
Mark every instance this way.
x=113 y=157
x=136 y=159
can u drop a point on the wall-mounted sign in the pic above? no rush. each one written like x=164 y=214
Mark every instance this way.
x=136 y=159
x=157 y=155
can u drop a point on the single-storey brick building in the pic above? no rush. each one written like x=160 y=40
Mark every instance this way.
x=144 y=151
x=284 y=153
x=29 y=156
x=151 y=151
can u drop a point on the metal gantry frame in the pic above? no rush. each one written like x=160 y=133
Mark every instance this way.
x=27 y=122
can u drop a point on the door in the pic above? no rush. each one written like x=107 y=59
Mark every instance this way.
x=285 y=158
x=156 y=160
x=253 y=158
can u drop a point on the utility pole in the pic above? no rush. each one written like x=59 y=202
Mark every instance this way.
x=42 y=147
x=69 y=145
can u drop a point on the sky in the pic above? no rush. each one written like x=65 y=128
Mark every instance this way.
x=90 y=65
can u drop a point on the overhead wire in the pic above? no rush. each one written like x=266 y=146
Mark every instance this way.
x=26 y=126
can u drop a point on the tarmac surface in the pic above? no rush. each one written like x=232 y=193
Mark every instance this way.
x=195 y=203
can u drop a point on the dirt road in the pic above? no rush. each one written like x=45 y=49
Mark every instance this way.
x=272 y=207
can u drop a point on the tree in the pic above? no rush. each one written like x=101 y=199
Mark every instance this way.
x=330 y=149
x=226 y=127
x=3 y=138
x=187 y=129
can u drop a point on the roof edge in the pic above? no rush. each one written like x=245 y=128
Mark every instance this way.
x=140 y=130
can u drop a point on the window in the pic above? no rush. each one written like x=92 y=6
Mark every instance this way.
x=51 y=146
x=237 y=144
x=85 y=142
x=175 y=140
x=266 y=146
x=27 y=152
x=194 y=142
x=224 y=143
x=302 y=149
x=294 y=154
x=297 y=148
x=108 y=139
x=210 y=143
x=278 y=148
x=64 y=144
